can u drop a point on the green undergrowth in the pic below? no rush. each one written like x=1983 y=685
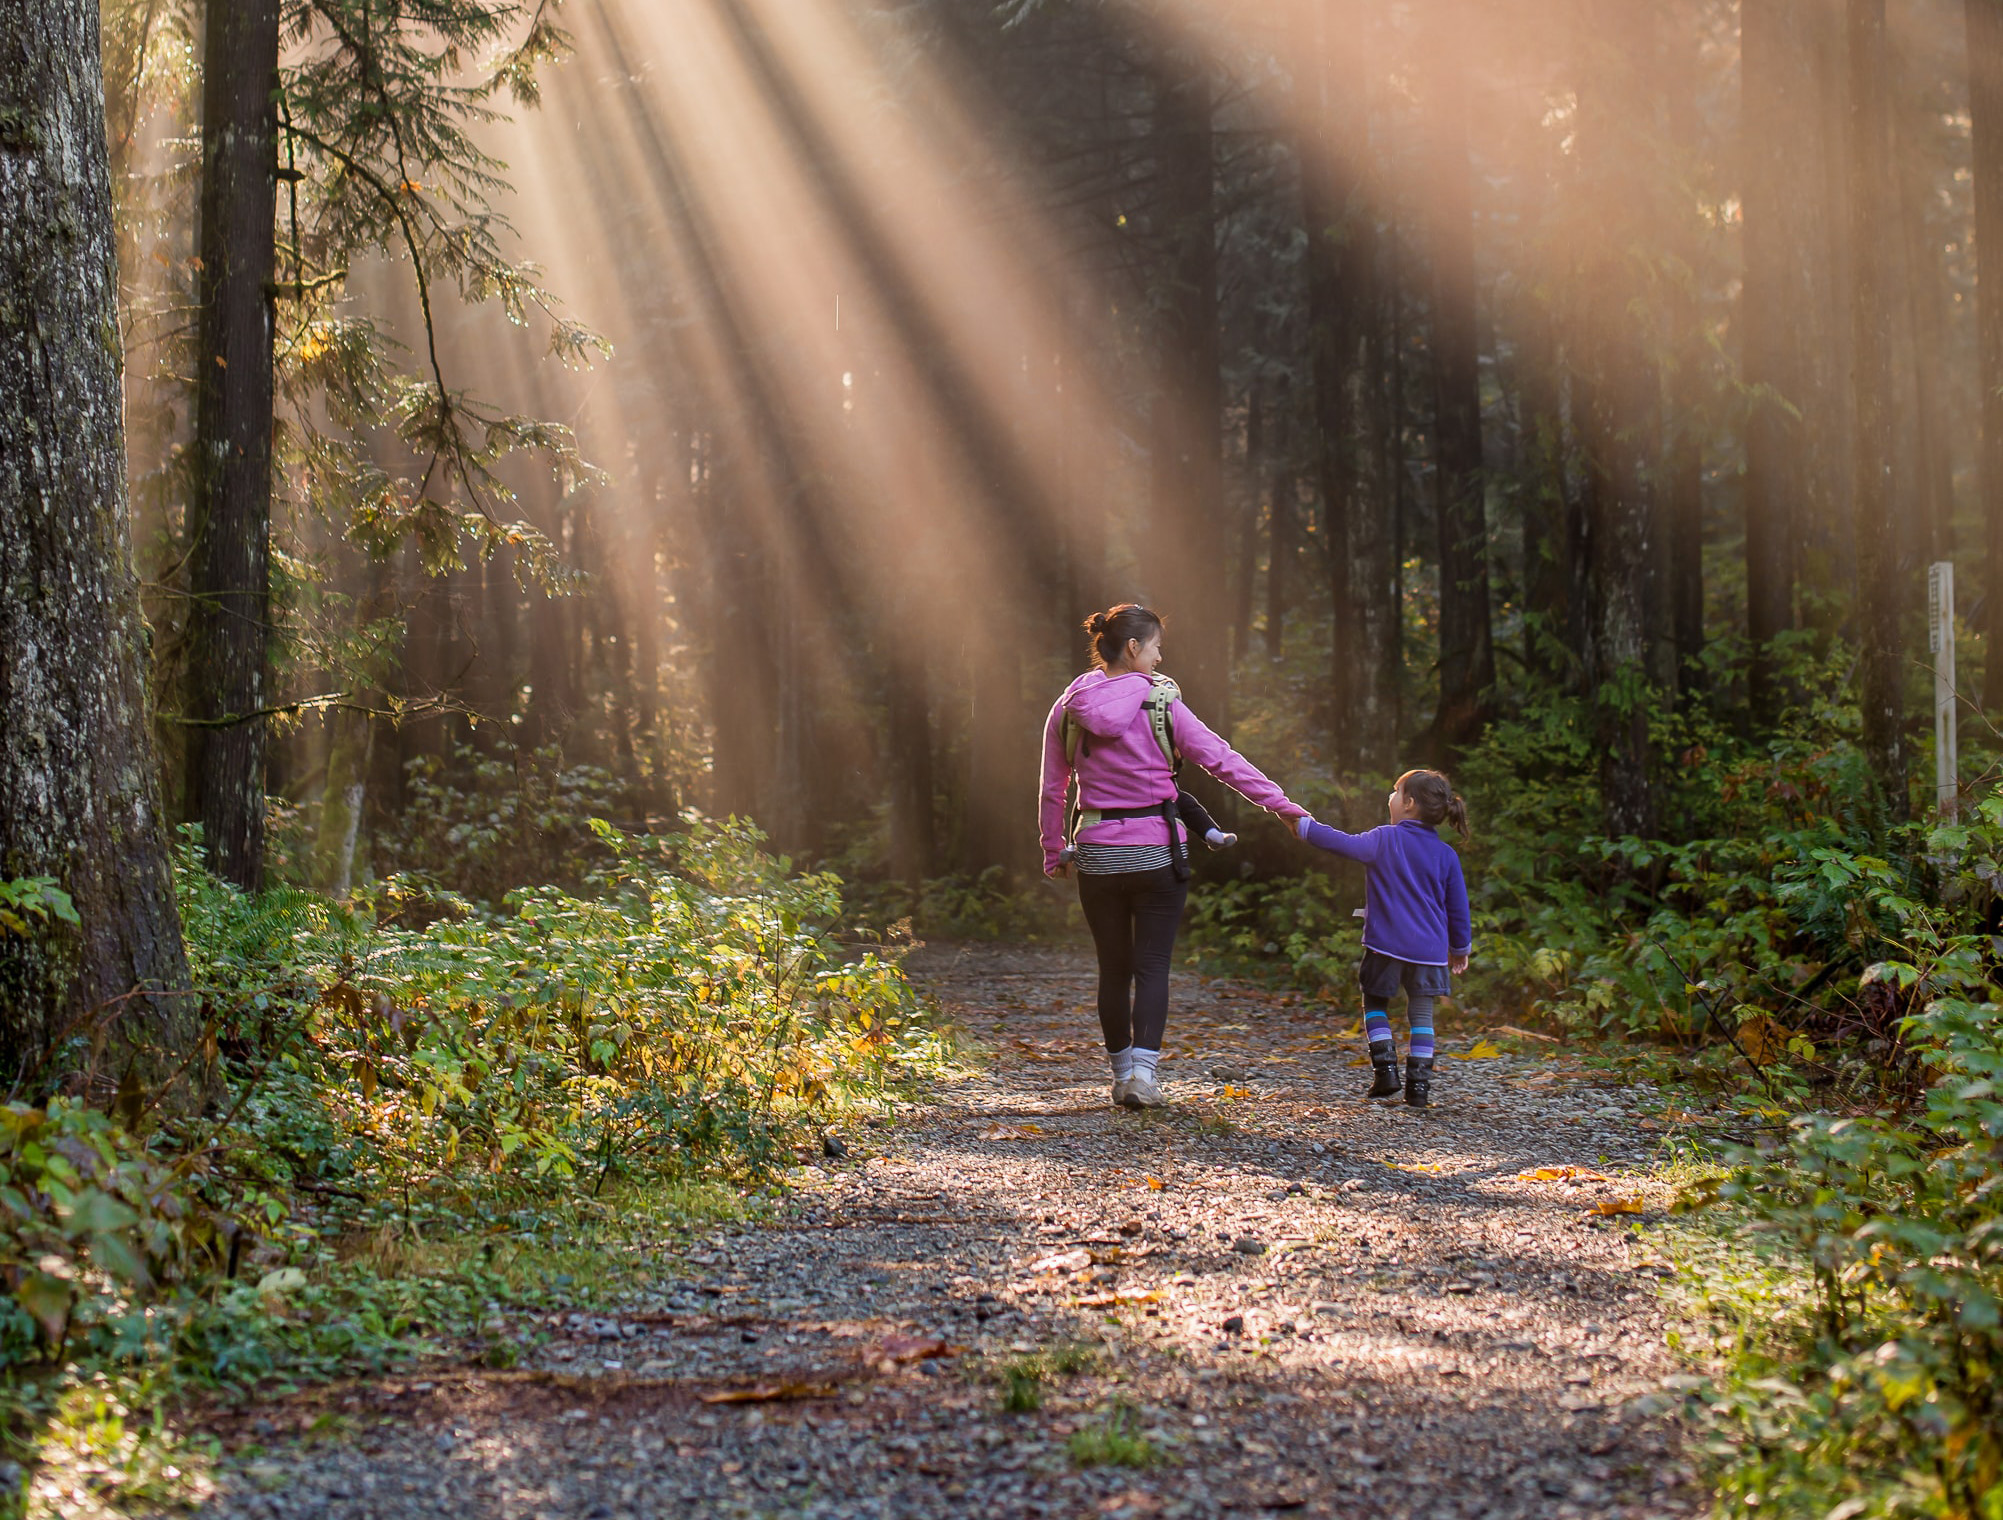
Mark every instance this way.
x=1845 y=1280
x=417 y=1113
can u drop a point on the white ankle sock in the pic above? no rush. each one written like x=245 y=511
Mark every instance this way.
x=1145 y=1062
x=1123 y=1064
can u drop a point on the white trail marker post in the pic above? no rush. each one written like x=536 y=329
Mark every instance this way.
x=1946 y=733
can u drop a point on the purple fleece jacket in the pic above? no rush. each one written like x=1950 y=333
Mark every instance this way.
x=1414 y=897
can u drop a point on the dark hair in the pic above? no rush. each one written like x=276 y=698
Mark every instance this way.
x=1111 y=629
x=1436 y=799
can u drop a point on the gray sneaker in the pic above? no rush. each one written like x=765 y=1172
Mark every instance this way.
x=1120 y=1086
x=1143 y=1093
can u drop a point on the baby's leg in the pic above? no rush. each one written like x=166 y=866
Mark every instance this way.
x=1196 y=818
x=1193 y=813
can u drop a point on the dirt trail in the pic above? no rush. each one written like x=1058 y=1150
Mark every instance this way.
x=1291 y=1301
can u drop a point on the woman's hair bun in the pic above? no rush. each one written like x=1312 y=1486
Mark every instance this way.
x=1110 y=630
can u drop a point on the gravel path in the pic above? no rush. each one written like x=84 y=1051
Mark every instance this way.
x=1270 y=1298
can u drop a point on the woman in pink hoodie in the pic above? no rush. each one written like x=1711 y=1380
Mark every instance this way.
x=1130 y=855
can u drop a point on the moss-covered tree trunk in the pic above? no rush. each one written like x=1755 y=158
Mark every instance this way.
x=79 y=800
x=231 y=559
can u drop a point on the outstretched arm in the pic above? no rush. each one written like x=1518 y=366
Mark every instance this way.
x=1361 y=847
x=1218 y=759
x=1056 y=779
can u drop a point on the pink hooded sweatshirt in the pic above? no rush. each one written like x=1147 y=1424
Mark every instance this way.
x=1121 y=766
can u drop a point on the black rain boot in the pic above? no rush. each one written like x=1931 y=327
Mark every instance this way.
x=1386 y=1072
x=1418 y=1082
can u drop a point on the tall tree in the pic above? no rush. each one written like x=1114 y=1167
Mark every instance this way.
x=1782 y=313
x=1882 y=578
x=1984 y=20
x=76 y=762
x=230 y=558
x=1617 y=395
x=1467 y=646
x=1343 y=250
x=1183 y=550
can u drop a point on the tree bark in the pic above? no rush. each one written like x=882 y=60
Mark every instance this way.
x=1786 y=296
x=231 y=512
x=1183 y=548
x=1984 y=19
x=82 y=802
x=1467 y=649
x=1346 y=362
x=1882 y=582
x=1616 y=392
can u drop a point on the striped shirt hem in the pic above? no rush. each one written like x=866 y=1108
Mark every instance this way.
x=1118 y=859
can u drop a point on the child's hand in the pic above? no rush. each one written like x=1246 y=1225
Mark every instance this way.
x=1457 y=964
x=1302 y=824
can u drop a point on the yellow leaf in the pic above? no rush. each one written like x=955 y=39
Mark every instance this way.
x=1561 y=1174
x=1011 y=1131
x=1483 y=1051
x=1763 y=1040
x=1351 y=1032
x=1634 y=1205
x=1430 y=1168
x=1155 y=1184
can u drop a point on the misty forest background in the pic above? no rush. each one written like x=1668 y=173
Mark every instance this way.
x=539 y=539
x=1420 y=362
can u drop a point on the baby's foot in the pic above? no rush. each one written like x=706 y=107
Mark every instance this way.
x=1217 y=839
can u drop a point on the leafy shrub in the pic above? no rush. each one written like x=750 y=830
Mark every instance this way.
x=1875 y=1390
x=481 y=825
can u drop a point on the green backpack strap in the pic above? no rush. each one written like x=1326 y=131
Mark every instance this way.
x=1162 y=697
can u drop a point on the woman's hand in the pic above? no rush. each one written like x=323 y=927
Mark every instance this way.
x=1062 y=871
x=1457 y=964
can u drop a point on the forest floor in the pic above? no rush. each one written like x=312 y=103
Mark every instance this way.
x=1270 y=1298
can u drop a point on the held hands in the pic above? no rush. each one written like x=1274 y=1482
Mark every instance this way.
x=1062 y=871
x=1457 y=964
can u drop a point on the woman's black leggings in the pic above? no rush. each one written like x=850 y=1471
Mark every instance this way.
x=1133 y=916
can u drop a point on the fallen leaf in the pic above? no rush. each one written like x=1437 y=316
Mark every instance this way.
x=1155 y=1184
x=768 y=1393
x=1133 y=1502
x=1430 y=1168
x=1351 y=1032
x=1763 y=1039
x=1561 y=1174
x=1063 y=1261
x=1522 y=1034
x=1634 y=1205
x=1011 y=1131
x=1483 y=1051
x=911 y=1348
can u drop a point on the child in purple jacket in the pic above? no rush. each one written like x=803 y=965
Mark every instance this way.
x=1417 y=931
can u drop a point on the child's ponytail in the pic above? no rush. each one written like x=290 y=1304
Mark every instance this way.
x=1457 y=815
x=1436 y=800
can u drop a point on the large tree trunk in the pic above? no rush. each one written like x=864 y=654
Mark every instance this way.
x=1183 y=549
x=1467 y=648
x=1882 y=582
x=1332 y=105
x=1985 y=104
x=231 y=558
x=1784 y=309
x=81 y=797
x=1617 y=394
